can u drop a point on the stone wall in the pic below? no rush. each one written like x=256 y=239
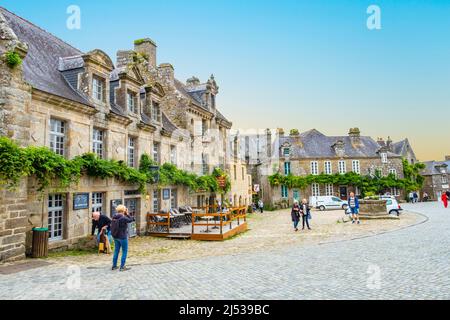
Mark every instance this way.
x=15 y=99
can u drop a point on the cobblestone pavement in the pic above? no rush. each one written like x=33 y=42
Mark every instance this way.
x=412 y=263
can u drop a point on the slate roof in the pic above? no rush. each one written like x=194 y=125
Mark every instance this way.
x=430 y=167
x=401 y=147
x=42 y=63
x=314 y=144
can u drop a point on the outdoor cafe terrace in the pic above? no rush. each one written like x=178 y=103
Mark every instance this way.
x=198 y=223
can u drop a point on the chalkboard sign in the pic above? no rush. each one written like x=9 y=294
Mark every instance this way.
x=81 y=201
x=114 y=205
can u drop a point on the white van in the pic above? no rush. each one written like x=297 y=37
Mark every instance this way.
x=327 y=203
x=392 y=206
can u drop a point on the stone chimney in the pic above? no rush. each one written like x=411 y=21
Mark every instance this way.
x=355 y=135
x=269 y=143
x=167 y=72
x=389 y=144
x=147 y=48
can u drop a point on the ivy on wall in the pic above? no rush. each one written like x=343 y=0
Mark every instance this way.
x=49 y=169
x=368 y=184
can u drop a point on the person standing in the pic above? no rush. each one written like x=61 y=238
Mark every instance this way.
x=353 y=204
x=448 y=194
x=295 y=214
x=119 y=231
x=445 y=199
x=411 y=197
x=261 y=206
x=425 y=197
x=416 y=197
x=305 y=211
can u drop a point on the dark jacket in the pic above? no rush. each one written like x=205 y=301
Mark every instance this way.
x=308 y=210
x=123 y=225
x=295 y=213
x=102 y=221
x=448 y=194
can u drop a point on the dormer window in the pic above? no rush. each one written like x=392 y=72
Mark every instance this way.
x=286 y=152
x=132 y=102
x=156 y=112
x=98 y=88
x=384 y=157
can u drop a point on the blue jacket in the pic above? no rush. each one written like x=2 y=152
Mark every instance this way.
x=356 y=202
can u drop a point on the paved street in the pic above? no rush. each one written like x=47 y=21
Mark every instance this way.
x=412 y=263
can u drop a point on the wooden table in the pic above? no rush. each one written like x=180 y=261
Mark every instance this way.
x=208 y=219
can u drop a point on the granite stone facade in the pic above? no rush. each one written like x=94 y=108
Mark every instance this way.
x=76 y=103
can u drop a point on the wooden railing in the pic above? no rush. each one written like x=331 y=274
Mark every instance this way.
x=158 y=222
x=225 y=218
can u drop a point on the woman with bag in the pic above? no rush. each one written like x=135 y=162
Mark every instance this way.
x=295 y=214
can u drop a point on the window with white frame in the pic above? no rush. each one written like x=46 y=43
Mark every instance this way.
x=356 y=167
x=444 y=179
x=155 y=201
x=97 y=142
x=156 y=112
x=173 y=155
x=395 y=192
x=205 y=166
x=132 y=101
x=314 y=167
x=342 y=167
x=384 y=157
x=284 y=192
x=98 y=88
x=328 y=167
x=156 y=152
x=97 y=202
x=287 y=168
x=315 y=188
x=55 y=216
x=393 y=172
x=58 y=136
x=131 y=152
x=329 y=189
x=286 y=152
x=357 y=191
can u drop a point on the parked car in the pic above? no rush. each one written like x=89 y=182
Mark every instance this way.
x=328 y=203
x=392 y=206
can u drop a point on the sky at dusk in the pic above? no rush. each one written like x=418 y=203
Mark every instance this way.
x=289 y=64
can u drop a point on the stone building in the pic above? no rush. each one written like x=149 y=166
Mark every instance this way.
x=437 y=178
x=402 y=148
x=76 y=103
x=312 y=152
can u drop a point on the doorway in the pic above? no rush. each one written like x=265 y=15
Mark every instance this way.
x=133 y=210
x=343 y=192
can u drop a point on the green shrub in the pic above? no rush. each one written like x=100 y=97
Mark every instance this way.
x=13 y=59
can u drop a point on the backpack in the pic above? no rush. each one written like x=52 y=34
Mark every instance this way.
x=115 y=227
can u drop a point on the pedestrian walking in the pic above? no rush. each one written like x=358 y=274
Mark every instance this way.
x=448 y=194
x=295 y=214
x=416 y=197
x=445 y=199
x=353 y=204
x=425 y=197
x=411 y=197
x=119 y=231
x=305 y=211
x=261 y=206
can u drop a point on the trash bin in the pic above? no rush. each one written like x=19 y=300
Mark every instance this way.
x=40 y=243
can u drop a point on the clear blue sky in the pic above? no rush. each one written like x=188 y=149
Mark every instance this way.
x=291 y=64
